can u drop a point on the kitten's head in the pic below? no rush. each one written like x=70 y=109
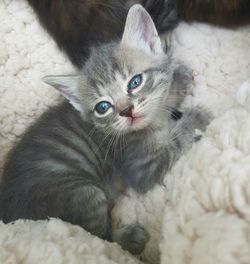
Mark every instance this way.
x=123 y=86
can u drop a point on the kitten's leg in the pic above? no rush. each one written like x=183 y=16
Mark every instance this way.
x=181 y=85
x=89 y=207
x=85 y=205
x=67 y=198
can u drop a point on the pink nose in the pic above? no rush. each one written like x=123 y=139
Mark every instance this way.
x=128 y=111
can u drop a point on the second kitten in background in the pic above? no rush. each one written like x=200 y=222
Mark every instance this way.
x=78 y=25
x=229 y=13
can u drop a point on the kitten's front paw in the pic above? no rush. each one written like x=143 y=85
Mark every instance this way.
x=132 y=238
x=198 y=118
x=194 y=119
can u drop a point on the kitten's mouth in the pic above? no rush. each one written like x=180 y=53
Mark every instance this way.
x=136 y=120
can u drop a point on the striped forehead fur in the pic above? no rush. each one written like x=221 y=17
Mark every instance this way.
x=108 y=61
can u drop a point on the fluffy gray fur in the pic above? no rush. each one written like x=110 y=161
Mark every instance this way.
x=74 y=162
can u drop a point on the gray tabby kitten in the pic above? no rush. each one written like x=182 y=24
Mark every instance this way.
x=117 y=131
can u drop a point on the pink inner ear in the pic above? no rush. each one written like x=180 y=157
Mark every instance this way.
x=140 y=31
x=147 y=29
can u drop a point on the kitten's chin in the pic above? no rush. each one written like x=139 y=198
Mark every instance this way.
x=137 y=122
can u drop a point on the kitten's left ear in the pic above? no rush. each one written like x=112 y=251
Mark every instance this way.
x=140 y=31
x=67 y=85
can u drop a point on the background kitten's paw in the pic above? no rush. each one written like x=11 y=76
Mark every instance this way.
x=132 y=238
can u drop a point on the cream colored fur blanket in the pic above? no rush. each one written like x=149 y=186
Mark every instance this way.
x=202 y=214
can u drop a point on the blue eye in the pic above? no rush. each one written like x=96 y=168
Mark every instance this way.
x=102 y=107
x=135 y=82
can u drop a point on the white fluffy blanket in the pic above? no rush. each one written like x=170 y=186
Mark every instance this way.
x=202 y=214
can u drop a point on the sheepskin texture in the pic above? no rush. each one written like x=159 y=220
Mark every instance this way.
x=202 y=213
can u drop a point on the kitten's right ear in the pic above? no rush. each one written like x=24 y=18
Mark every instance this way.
x=67 y=85
x=140 y=31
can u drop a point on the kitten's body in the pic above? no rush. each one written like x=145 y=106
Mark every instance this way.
x=117 y=132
